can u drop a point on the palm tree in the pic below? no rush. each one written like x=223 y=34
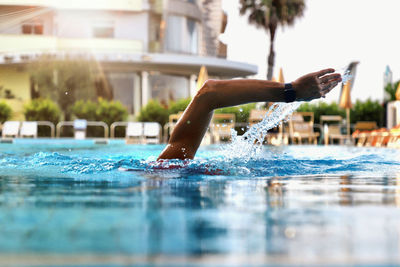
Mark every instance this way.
x=269 y=14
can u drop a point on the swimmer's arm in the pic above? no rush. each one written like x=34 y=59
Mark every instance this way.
x=190 y=129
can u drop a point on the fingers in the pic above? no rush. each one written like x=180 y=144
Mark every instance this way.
x=328 y=87
x=325 y=71
x=332 y=77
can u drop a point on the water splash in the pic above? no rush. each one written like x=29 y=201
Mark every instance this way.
x=346 y=74
x=249 y=145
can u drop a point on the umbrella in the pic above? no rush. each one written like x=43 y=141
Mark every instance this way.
x=398 y=92
x=345 y=98
x=281 y=79
x=202 y=78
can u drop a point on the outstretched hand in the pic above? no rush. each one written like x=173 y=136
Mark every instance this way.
x=315 y=85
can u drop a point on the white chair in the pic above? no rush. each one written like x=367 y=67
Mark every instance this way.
x=152 y=132
x=134 y=132
x=80 y=129
x=10 y=129
x=28 y=129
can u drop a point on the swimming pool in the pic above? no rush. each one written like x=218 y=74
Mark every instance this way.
x=67 y=203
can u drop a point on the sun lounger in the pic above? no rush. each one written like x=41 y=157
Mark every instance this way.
x=221 y=126
x=80 y=129
x=134 y=133
x=332 y=129
x=300 y=129
x=275 y=136
x=29 y=129
x=152 y=132
x=10 y=129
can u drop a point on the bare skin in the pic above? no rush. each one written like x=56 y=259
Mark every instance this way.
x=190 y=129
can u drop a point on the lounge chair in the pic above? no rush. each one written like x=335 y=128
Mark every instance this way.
x=332 y=130
x=134 y=132
x=152 y=132
x=29 y=129
x=299 y=129
x=169 y=127
x=275 y=136
x=257 y=115
x=364 y=133
x=394 y=139
x=221 y=126
x=80 y=129
x=10 y=129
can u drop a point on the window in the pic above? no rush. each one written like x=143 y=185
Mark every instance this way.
x=166 y=88
x=103 y=29
x=32 y=28
x=182 y=35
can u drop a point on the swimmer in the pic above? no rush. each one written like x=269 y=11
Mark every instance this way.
x=190 y=129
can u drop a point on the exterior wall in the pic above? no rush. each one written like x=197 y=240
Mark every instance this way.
x=79 y=24
x=212 y=24
x=12 y=24
x=18 y=81
x=126 y=5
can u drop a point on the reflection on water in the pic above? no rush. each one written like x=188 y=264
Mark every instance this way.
x=314 y=218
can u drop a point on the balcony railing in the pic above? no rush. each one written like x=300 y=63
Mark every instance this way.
x=49 y=44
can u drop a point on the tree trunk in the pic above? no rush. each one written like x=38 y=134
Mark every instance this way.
x=271 y=58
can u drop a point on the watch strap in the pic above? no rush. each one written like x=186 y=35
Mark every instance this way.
x=290 y=93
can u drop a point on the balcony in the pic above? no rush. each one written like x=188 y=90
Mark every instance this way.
x=20 y=44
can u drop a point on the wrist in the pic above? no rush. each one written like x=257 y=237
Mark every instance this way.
x=289 y=93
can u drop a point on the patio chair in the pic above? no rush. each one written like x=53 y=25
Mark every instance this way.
x=169 y=127
x=275 y=136
x=29 y=129
x=256 y=116
x=333 y=129
x=152 y=132
x=299 y=129
x=363 y=133
x=10 y=129
x=394 y=138
x=80 y=129
x=134 y=133
x=221 y=126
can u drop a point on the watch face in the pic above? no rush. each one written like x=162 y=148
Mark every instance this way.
x=290 y=95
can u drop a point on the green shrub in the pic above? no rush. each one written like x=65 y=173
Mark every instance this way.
x=179 y=105
x=153 y=111
x=367 y=111
x=110 y=111
x=361 y=111
x=241 y=112
x=42 y=110
x=103 y=110
x=390 y=91
x=5 y=112
x=322 y=108
x=84 y=110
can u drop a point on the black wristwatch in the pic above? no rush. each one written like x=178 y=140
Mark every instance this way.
x=290 y=93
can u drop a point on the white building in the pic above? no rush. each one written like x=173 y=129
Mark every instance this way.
x=146 y=48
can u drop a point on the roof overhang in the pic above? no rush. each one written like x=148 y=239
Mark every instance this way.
x=126 y=62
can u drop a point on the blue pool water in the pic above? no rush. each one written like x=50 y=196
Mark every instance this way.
x=67 y=203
